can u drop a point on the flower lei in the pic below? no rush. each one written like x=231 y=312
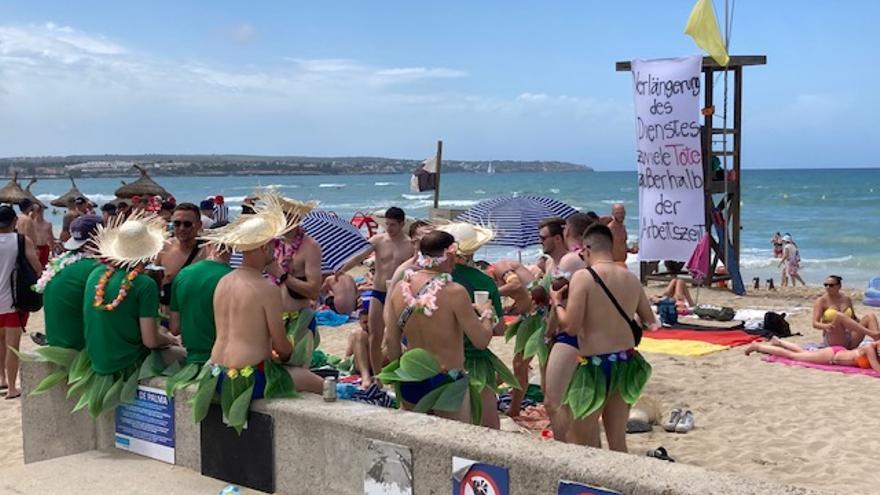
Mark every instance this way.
x=54 y=268
x=123 y=289
x=424 y=261
x=285 y=250
x=426 y=302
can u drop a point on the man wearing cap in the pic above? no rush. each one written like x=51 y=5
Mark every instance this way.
x=483 y=366
x=192 y=311
x=206 y=212
x=120 y=309
x=76 y=207
x=251 y=338
x=180 y=251
x=12 y=321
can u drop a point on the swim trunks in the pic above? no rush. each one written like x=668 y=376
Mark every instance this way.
x=566 y=338
x=428 y=385
x=597 y=377
x=267 y=380
x=43 y=254
x=373 y=293
x=302 y=331
x=413 y=392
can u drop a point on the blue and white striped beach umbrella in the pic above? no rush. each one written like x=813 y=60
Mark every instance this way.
x=339 y=239
x=515 y=219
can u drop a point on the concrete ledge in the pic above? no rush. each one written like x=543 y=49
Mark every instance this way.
x=322 y=448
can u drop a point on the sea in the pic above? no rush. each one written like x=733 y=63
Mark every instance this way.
x=832 y=214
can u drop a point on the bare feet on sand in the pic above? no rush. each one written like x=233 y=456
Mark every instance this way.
x=751 y=348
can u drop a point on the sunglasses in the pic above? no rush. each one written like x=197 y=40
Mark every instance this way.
x=185 y=223
x=831 y=285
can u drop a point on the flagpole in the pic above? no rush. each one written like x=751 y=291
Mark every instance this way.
x=437 y=181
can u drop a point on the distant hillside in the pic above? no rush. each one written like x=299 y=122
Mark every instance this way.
x=120 y=165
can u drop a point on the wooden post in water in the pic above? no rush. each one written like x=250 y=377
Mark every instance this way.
x=437 y=181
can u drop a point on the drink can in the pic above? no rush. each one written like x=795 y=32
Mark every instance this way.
x=329 y=389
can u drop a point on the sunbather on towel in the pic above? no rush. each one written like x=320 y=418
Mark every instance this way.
x=864 y=357
x=678 y=290
x=834 y=315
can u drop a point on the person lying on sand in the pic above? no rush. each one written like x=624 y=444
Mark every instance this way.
x=678 y=290
x=834 y=315
x=864 y=357
x=340 y=293
x=435 y=314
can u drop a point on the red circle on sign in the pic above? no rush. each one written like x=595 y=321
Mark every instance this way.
x=478 y=482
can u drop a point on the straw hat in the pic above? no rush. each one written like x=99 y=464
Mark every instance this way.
x=469 y=237
x=249 y=232
x=139 y=239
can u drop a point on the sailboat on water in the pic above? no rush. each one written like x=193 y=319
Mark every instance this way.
x=491 y=169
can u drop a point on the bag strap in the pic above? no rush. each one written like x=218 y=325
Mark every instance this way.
x=613 y=299
x=192 y=255
x=20 y=256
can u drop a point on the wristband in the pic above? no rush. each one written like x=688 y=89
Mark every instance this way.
x=280 y=280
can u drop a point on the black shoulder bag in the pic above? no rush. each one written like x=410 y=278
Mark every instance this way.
x=635 y=327
x=24 y=298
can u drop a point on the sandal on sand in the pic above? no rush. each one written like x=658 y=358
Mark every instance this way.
x=661 y=454
x=686 y=423
x=39 y=338
x=672 y=422
x=10 y=397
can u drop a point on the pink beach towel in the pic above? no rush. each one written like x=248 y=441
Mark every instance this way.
x=698 y=265
x=825 y=367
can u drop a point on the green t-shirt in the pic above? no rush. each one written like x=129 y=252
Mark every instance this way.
x=113 y=338
x=63 y=305
x=192 y=295
x=473 y=280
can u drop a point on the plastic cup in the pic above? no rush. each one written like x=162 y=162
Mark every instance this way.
x=481 y=297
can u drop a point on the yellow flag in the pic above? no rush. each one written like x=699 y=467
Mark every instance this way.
x=702 y=26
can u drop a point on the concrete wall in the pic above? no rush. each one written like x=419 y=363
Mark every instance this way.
x=322 y=448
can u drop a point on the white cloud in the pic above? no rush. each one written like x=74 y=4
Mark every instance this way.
x=532 y=97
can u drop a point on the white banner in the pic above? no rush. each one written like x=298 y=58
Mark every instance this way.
x=667 y=100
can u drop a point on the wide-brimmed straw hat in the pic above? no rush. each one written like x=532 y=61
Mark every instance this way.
x=139 y=239
x=249 y=232
x=469 y=237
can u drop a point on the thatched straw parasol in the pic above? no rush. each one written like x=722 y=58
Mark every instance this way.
x=12 y=192
x=31 y=196
x=65 y=200
x=144 y=186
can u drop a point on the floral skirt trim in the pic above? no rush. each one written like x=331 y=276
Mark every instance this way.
x=597 y=377
x=237 y=390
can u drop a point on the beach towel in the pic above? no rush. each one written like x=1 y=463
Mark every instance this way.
x=730 y=338
x=850 y=370
x=328 y=318
x=679 y=347
x=697 y=323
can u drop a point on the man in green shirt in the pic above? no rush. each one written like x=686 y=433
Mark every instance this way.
x=482 y=364
x=120 y=309
x=63 y=293
x=192 y=304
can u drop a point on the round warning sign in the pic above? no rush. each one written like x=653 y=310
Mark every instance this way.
x=478 y=482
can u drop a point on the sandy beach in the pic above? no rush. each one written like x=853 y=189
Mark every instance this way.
x=764 y=420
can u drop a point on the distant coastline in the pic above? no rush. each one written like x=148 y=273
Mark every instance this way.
x=94 y=166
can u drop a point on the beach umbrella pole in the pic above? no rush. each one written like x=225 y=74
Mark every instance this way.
x=437 y=180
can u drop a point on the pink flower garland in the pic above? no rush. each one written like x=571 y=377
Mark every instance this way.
x=54 y=268
x=426 y=303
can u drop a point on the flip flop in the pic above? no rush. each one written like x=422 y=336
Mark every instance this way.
x=10 y=397
x=661 y=454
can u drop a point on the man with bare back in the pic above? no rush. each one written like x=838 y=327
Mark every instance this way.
x=251 y=341
x=434 y=313
x=611 y=373
x=43 y=237
x=392 y=248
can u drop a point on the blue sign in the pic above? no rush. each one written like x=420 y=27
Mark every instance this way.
x=476 y=478
x=146 y=427
x=572 y=488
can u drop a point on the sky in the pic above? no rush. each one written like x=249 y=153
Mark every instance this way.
x=493 y=79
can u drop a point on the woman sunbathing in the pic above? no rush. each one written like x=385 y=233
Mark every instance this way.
x=864 y=357
x=834 y=315
x=678 y=290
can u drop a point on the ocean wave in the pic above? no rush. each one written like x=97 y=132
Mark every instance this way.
x=416 y=196
x=554 y=190
x=615 y=201
x=383 y=184
x=479 y=191
x=331 y=184
x=752 y=262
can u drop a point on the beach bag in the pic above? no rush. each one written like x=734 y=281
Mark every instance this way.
x=667 y=312
x=775 y=324
x=24 y=298
x=717 y=313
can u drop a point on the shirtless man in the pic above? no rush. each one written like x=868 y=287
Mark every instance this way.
x=392 y=248
x=251 y=338
x=606 y=341
x=513 y=281
x=43 y=238
x=78 y=206
x=417 y=230
x=25 y=224
x=442 y=333
x=551 y=231
x=297 y=271
x=618 y=230
x=180 y=251
x=564 y=346
x=341 y=292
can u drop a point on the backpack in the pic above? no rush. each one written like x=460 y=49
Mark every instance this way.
x=775 y=324
x=717 y=313
x=667 y=311
x=24 y=298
